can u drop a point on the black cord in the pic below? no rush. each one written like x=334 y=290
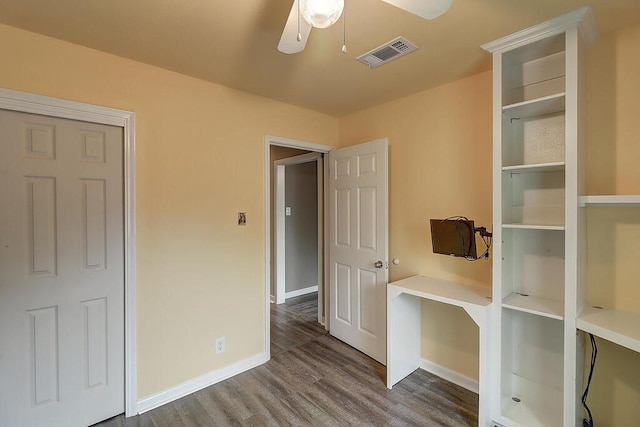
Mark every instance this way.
x=594 y=354
x=487 y=240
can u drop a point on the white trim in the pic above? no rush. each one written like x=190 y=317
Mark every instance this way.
x=321 y=242
x=299 y=292
x=294 y=143
x=554 y=26
x=47 y=106
x=199 y=383
x=297 y=160
x=270 y=140
x=279 y=233
x=325 y=279
x=451 y=376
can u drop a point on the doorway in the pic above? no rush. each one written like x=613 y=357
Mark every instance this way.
x=297 y=225
x=278 y=148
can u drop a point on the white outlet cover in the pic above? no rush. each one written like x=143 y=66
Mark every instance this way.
x=287 y=211
x=220 y=346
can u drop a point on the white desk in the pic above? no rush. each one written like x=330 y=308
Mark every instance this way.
x=404 y=319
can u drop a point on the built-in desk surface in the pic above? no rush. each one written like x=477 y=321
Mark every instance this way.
x=404 y=320
x=441 y=290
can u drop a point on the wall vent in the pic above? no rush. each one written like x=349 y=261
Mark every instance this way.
x=387 y=52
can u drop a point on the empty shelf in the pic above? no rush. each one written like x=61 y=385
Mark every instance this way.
x=534 y=305
x=616 y=200
x=620 y=327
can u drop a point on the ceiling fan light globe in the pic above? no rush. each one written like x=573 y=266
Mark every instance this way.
x=436 y=8
x=321 y=13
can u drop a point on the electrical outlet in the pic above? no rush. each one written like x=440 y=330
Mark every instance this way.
x=220 y=345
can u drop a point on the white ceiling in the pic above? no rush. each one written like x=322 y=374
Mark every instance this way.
x=234 y=42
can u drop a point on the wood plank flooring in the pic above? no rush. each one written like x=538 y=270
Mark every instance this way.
x=314 y=379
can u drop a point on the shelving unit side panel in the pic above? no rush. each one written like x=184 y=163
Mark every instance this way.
x=497 y=358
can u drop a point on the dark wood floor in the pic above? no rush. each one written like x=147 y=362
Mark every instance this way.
x=314 y=379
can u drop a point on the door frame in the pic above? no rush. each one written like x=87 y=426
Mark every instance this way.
x=270 y=140
x=279 y=224
x=54 y=107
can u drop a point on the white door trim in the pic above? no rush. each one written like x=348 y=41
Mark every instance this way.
x=270 y=140
x=47 y=106
x=279 y=231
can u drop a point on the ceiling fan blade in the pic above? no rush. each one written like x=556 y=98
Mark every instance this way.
x=428 y=9
x=289 y=41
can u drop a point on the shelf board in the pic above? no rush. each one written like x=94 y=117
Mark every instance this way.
x=618 y=200
x=534 y=305
x=520 y=414
x=538 y=167
x=539 y=406
x=442 y=290
x=534 y=226
x=620 y=327
x=536 y=107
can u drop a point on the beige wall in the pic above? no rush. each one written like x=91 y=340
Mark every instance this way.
x=440 y=145
x=200 y=160
x=614 y=233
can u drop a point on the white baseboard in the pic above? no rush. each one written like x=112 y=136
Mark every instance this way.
x=299 y=292
x=449 y=375
x=199 y=383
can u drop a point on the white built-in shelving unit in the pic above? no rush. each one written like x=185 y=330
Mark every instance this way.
x=539 y=242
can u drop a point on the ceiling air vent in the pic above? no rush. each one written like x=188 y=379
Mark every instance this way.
x=387 y=52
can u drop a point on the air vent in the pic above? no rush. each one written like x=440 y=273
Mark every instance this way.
x=387 y=52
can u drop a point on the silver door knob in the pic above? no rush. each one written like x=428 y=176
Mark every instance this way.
x=378 y=264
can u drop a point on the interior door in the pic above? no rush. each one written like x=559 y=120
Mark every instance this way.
x=61 y=271
x=358 y=267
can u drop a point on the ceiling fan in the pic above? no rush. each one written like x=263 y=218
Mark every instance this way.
x=306 y=14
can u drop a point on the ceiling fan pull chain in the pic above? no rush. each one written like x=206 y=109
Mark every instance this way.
x=344 y=29
x=299 y=36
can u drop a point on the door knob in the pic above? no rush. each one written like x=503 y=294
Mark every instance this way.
x=378 y=264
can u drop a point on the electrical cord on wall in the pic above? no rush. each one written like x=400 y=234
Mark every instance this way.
x=487 y=237
x=594 y=354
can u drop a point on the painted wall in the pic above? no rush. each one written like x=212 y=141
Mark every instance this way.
x=200 y=160
x=613 y=242
x=301 y=227
x=440 y=144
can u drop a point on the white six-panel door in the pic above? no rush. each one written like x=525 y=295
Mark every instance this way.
x=61 y=271
x=358 y=240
